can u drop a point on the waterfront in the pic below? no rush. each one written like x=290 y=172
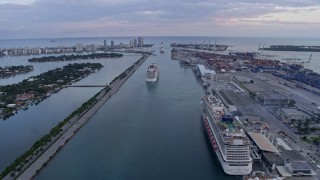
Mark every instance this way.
x=236 y=43
x=19 y=132
x=76 y=122
x=141 y=133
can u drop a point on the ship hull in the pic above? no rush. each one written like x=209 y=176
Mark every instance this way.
x=152 y=80
x=228 y=168
x=152 y=73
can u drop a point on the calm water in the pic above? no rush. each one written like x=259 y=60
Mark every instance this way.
x=19 y=132
x=237 y=43
x=143 y=132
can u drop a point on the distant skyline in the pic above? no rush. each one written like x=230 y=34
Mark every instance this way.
x=106 y=18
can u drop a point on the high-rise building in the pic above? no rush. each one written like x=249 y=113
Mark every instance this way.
x=79 y=47
x=112 y=44
x=105 y=44
x=135 y=43
x=140 y=41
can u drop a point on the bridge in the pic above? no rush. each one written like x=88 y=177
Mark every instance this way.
x=84 y=86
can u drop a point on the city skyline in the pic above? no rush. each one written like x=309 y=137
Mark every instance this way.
x=98 y=18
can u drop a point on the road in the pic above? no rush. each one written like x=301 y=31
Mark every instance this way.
x=70 y=129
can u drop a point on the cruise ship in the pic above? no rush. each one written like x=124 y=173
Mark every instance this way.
x=228 y=140
x=161 y=48
x=152 y=73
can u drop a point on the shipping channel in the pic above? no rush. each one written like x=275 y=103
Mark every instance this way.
x=143 y=132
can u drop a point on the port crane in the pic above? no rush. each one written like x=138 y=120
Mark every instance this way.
x=292 y=60
x=309 y=60
x=298 y=61
x=264 y=56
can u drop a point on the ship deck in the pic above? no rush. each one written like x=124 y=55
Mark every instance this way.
x=231 y=132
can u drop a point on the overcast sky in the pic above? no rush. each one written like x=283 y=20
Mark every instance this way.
x=103 y=18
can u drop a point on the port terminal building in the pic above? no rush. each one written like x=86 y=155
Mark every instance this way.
x=289 y=114
x=278 y=157
x=204 y=72
x=272 y=98
x=264 y=96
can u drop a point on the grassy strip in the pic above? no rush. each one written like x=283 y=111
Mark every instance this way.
x=124 y=73
x=55 y=131
x=47 y=138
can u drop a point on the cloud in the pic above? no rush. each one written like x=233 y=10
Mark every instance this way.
x=153 y=12
x=104 y=17
x=21 y=2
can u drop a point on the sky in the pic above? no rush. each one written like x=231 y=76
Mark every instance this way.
x=107 y=18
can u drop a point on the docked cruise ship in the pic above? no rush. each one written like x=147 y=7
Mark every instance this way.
x=228 y=140
x=152 y=73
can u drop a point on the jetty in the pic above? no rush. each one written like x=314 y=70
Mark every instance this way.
x=74 y=124
x=65 y=86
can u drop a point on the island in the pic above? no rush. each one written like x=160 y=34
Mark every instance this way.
x=73 y=57
x=147 y=45
x=292 y=48
x=10 y=71
x=43 y=150
x=31 y=91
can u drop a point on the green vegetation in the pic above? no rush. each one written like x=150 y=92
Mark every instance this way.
x=315 y=140
x=303 y=128
x=124 y=73
x=291 y=103
x=292 y=48
x=147 y=45
x=38 y=145
x=18 y=96
x=312 y=139
x=10 y=71
x=75 y=57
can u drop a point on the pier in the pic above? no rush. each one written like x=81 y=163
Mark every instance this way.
x=69 y=129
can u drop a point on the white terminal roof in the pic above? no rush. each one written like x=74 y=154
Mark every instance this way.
x=263 y=143
x=204 y=71
x=283 y=144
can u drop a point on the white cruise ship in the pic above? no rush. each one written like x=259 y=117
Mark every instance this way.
x=161 y=48
x=228 y=140
x=152 y=73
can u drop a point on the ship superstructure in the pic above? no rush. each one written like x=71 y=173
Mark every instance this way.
x=152 y=73
x=228 y=139
x=161 y=48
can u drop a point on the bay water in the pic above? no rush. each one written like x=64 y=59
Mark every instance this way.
x=143 y=132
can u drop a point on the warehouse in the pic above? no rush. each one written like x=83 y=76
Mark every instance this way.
x=289 y=114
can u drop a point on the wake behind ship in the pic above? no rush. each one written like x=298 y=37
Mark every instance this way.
x=228 y=140
x=152 y=73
